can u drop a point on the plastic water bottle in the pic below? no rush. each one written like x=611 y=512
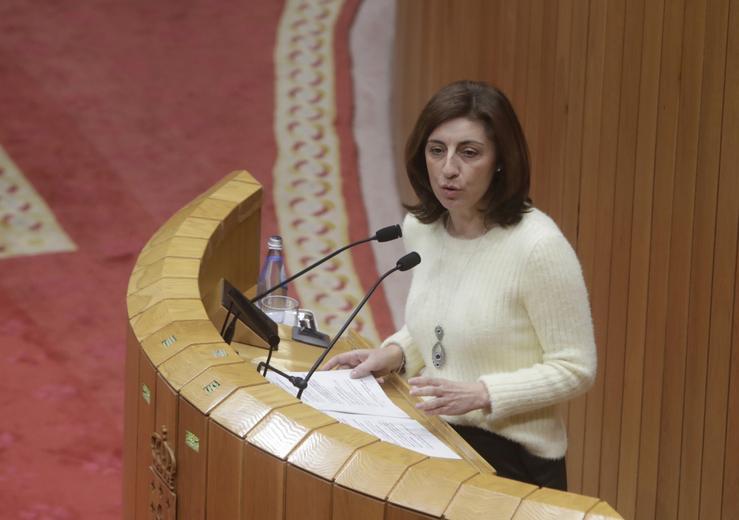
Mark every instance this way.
x=273 y=269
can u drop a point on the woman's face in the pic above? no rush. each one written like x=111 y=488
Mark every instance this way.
x=460 y=159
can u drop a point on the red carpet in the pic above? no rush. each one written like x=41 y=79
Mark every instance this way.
x=118 y=113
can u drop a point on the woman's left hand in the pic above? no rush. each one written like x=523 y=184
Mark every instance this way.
x=451 y=397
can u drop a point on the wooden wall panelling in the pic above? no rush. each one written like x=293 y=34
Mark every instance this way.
x=575 y=118
x=729 y=152
x=730 y=505
x=571 y=203
x=520 y=52
x=679 y=274
x=531 y=90
x=556 y=134
x=587 y=229
x=130 y=434
x=662 y=212
x=624 y=163
x=723 y=311
x=641 y=237
x=505 y=25
x=605 y=396
x=704 y=225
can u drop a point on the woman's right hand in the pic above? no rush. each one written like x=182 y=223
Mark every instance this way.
x=376 y=361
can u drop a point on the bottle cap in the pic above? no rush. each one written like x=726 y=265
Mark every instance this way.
x=274 y=242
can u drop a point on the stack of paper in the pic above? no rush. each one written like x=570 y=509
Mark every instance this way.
x=362 y=404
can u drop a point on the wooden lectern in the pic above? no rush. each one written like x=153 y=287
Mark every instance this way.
x=206 y=436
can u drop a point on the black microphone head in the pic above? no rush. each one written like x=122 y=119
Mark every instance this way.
x=408 y=261
x=388 y=233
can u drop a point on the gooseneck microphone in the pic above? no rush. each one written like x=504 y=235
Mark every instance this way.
x=405 y=263
x=382 y=235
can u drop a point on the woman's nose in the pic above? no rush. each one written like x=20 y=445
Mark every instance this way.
x=450 y=168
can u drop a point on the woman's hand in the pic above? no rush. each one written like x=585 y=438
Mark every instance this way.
x=376 y=361
x=451 y=397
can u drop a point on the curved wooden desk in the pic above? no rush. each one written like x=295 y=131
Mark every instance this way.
x=206 y=436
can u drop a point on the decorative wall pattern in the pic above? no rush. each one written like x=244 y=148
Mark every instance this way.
x=27 y=225
x=307 y=178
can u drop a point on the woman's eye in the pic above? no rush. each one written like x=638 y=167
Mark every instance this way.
x=469 y=153
x=436 y=151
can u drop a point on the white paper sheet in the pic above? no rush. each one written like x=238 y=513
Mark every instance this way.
x=362 y=404
x=407 y=433
x=334 y=390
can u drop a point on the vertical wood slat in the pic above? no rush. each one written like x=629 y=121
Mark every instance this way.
x=730 y=500
x=730 y=505
x=684 y=170
x=647 y=207
x=621 y=248
x=662 y=212
x=570 y=213
x=601 y=398
x=586 y=237
x=704 y=225
x=715 y=454
x=641 y=233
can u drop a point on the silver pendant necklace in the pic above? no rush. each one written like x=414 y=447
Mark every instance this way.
x=438 y=356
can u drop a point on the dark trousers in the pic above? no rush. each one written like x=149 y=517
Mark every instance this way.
x=511 y=460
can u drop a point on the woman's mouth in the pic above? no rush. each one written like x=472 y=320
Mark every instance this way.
x=449 y=190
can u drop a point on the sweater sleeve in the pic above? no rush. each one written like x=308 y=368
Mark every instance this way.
x=413 y=360
x=556 y=300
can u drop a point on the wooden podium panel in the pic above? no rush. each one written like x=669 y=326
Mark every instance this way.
x=487 y=497
x=307 y=496
x=375 y=469
x=394 y=512
x=549 y=503
x=244 y=408
x=130 y=426
x=182 y=368
x=348 y=504
x=163 y=289
x=192 y=442
x=602 y=511
x=429 y=486
x=164 y=313
x=209 y=437
x=182 y=247
x=325 y=451
x=146 y=416
x=224 y=473
x=175 y=337
x=168 y=267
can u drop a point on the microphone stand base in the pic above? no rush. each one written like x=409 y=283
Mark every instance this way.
x=311 y=337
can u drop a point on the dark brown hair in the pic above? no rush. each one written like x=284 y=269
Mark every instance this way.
x=507 y=198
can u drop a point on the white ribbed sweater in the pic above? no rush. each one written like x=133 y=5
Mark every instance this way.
x=515 y=314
